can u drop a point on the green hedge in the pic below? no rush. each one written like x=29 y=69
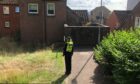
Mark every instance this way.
x=119 y=53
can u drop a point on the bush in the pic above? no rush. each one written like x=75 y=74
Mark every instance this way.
x=119 y=53
x=17 y=36
x=8 y=44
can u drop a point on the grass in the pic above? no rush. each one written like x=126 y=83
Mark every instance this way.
x=20 y=66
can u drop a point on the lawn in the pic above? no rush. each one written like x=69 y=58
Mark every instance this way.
x=18 y=65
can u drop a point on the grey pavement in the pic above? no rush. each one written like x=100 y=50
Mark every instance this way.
x=83 y=67
x=85 y=70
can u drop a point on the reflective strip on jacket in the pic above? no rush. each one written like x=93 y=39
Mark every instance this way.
x=69 y=46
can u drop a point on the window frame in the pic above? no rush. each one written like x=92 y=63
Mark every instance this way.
x=6 y=12
x=48 y=9
x=36 y=9
x=7 y=24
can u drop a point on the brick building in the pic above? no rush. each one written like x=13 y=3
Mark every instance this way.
x=136 y=16
x=125 y=19
x=42 y=21
x=95 y=16
x=120 y=20
x=9 y=17
x=82 y=15
x=72 y=18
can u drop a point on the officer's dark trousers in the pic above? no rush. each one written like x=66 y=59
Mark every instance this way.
x=68 y=63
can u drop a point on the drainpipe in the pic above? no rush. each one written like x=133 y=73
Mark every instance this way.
x=45 y=23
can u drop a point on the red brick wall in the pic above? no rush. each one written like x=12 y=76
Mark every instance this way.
x=13 y=17
x=55 y=24
x=112 y=21
x=32 y=25
x=40 y=28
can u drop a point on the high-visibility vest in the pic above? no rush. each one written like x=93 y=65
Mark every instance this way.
x=69 y=46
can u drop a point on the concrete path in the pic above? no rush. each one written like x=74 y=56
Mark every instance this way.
x=84 y=69
x=81 y=73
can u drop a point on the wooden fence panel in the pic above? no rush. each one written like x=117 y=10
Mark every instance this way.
x=85 y=36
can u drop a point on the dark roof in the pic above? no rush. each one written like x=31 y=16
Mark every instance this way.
x=72 y=18
x=99 y=8
x=69 y=9
x=83 y=14
x=123 y=16
x=136 y=8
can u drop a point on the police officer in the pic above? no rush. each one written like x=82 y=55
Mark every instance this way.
x=68 y=52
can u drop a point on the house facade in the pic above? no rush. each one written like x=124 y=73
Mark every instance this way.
x=42 y=21
x=9 y=17
x=95 y=16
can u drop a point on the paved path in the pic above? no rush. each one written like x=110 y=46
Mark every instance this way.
x=81 y=73
x=89 y=74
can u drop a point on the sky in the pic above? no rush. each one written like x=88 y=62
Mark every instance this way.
x=91 y=4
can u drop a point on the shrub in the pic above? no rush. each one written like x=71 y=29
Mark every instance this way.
x=17 y=36
x=119 y=53
x=8 y=44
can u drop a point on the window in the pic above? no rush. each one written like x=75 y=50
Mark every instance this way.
x=137 y=22
x=50 y=9
x=17 y=9
x=33 y=8
x=7 y=24
x=6 y=10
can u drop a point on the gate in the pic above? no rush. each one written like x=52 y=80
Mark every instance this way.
x=86 y=35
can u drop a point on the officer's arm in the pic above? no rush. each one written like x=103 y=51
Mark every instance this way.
x=64 y=49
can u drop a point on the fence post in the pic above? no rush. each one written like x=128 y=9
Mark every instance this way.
x=99 y=34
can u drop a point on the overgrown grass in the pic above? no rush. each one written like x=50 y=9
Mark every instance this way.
x=20 y=66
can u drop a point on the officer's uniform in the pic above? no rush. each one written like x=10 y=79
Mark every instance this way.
x=68 y=52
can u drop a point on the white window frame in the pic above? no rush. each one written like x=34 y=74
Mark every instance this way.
x=6 y=10
x=36 y=9
x=7 y=24
x=48 y=9
x=137 y=21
